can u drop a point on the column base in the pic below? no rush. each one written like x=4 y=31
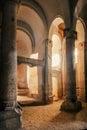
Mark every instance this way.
x=69 y=106
x=10 y=120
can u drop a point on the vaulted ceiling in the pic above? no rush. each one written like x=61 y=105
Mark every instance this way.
x=36 y=16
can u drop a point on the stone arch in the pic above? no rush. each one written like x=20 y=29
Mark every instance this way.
x=27 y=24
x=56 y=57
x=21 y=25
x=37 y=8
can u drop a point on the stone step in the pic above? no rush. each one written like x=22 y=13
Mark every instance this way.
x=25 y=100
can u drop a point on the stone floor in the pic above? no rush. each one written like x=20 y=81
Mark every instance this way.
x=49 y=117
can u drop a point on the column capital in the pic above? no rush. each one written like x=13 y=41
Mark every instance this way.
x=69 y=33
x=18 y=2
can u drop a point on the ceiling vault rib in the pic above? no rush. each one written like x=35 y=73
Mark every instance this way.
x=37 y=8
x=21 y=25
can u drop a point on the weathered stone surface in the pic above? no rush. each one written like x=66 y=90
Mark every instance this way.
x=10 y=111
x=69 y=106
x=10 y=120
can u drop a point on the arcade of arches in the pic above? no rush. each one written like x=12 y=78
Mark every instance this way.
x=43 y=56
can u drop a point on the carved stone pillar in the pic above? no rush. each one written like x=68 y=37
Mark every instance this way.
x=70 y=103
x=47 y=75
x=10 y=111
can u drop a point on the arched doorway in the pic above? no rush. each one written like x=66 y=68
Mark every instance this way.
x=56 y=35
x=27 y=72
x=30 y=48
x=79 y=60
x=24 y=71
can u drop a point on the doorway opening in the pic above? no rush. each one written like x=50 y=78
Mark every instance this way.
x=56 y=35
x=27 y=71
x=79 y=60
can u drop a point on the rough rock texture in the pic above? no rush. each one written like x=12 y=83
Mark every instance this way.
x=49 y=117
x=70 y=106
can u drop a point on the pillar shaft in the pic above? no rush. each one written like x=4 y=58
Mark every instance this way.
x=70 y=70
x=71 y=103
x=8 y=54
x=10 y=111
x=47 y=87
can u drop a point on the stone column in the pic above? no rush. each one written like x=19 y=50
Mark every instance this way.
x=10 y=111
x=47 y=75
x=71 y=103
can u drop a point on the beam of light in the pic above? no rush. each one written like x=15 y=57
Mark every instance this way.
x=76 y=55
x=34 y=56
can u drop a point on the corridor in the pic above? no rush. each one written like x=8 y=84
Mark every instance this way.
x=43 y=60
x=49 y=117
